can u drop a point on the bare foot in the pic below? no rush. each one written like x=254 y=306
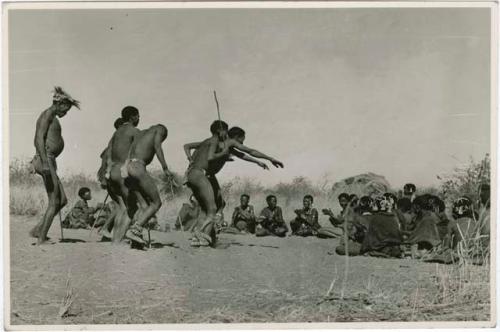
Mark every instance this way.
x=105 y=233
x=34 y=232
x=47 y=240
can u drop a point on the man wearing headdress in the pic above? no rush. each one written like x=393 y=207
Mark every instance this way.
x=49 y=144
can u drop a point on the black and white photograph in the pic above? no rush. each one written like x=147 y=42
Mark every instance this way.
x=177 y=164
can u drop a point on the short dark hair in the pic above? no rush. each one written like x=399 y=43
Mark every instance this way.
x=268 y=198
x=82 y=191
x=217 y=125
x=128 y=112
x=410 y=187
x=343 y=195
x=310 y=197
x=235 y=132
x=118 y=123
x=245 y=195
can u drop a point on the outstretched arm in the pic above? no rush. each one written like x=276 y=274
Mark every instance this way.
x=42 y=127
x=256 y=154
x=190 y=146
x=246 y=157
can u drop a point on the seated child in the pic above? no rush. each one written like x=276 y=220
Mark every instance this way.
x=81 y=215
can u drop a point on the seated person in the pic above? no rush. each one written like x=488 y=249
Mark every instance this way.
x=383 y=236
x=188 y=215
x=244 y=216
x=405 y=215
x=270 y=221
x=425 y=235
x=438 y=207
x=356 y=225
x=338 y=220
x=462 y=228
x=306 y=222
x=81 y=215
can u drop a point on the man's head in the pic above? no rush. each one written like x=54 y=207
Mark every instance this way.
x=307 y=201
x=244 y=200
x=160 y=129
x=272 y=201
x=343 y=200
x=392 y=200
x=118 y=123
x=237 y=134
x=130 y=114
x=219 y=128
x=409 y=189
x=85 y=194
x=63 y=102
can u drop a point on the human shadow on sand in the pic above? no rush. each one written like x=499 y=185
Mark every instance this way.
x=225 y=245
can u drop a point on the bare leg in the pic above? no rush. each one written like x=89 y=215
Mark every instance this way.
x=56 y=199
x=143 y=185
x=205 y=195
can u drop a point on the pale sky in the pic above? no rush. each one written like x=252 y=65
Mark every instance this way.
x=404 y=93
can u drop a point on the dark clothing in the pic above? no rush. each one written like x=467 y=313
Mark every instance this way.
x=425 y=234
x=271 y=223
x=306 y=223
x=383 y=235
x=244 y=219
x=443 y=225
x=356 y=230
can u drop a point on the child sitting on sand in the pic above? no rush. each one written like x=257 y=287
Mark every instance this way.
x=81 y=215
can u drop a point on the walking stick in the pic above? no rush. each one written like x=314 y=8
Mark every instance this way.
x=61 y=224
x=99 y=214
x=149 y=237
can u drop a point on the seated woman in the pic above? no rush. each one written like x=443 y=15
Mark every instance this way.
x=356 y=216
x=383 y=237
x=425 y=235
x=463 y=227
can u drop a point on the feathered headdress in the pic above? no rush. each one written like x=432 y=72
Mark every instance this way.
x=60 y=95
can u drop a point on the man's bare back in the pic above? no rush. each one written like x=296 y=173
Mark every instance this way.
x=121 y=141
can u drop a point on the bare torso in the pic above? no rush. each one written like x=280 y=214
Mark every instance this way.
x=143 y=147
x=54 y=143
x=121 y=142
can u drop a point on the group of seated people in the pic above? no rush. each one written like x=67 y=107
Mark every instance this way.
x=385 y=226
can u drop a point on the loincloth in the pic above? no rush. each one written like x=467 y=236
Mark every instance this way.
x=191 y=168
x=124 y=168
x=36 y=164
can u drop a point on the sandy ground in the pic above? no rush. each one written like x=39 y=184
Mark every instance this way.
x=244 y=279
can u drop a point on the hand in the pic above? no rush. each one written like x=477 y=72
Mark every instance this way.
x=263 y=165
x=277 y=163
x=328 y=212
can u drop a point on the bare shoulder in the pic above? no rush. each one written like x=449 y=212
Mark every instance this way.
x=46 y=115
